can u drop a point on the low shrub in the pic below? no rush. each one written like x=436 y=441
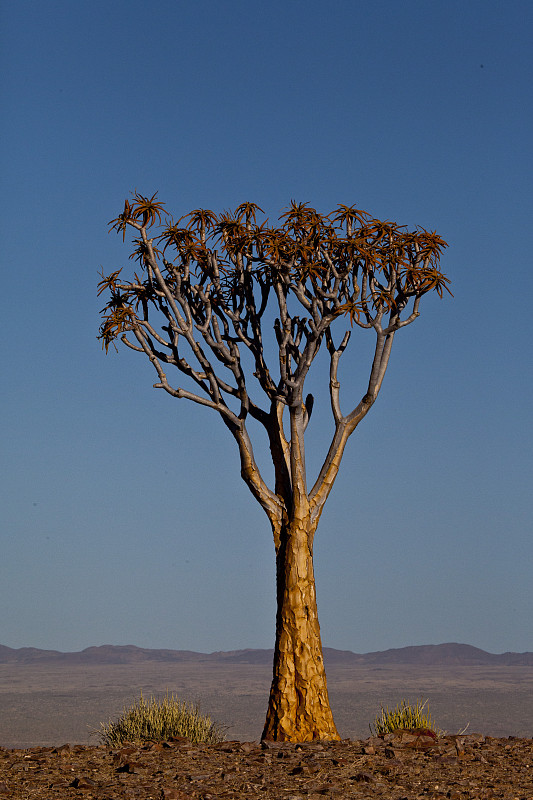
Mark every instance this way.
x=404 y=716
x=158 y=720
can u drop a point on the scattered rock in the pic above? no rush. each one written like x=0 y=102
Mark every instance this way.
x=402 y=765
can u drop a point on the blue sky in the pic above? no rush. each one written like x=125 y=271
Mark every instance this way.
x=124 y=519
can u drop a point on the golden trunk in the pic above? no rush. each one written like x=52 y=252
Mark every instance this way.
x=298 y=709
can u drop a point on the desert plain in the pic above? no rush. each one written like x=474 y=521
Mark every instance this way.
x=50 y=704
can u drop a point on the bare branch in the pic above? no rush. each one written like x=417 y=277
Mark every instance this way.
x=210 y=286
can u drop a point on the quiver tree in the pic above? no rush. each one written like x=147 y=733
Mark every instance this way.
x=208 y=290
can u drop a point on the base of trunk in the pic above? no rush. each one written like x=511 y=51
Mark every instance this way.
x=299 y=716
x=298 y=709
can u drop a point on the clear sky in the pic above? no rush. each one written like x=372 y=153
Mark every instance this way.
x=124 y=519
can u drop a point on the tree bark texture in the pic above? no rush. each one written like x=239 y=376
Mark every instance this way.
x=298 y=709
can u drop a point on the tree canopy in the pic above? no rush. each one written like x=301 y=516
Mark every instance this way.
x=211 y=278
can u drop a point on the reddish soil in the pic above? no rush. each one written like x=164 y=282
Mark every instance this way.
x=401 y=766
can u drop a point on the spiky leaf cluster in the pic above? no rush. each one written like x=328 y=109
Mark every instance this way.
x=345 y=262
x=217 y=272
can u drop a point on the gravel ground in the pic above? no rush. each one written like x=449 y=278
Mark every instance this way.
x=399 y=766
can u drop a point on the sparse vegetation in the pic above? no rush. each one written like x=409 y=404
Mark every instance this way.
x=406 y=717
x=159 y=720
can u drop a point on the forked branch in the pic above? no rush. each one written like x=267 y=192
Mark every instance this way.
x=210 y=282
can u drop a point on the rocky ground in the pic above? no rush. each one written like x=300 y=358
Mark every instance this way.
x=397 y=766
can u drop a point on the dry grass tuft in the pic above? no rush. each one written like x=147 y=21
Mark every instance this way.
x=159 y=720
x=405 y=717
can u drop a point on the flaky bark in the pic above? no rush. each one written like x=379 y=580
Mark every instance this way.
x=298 y=708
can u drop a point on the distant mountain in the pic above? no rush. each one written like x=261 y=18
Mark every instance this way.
x=450 y=654
x=105 y=654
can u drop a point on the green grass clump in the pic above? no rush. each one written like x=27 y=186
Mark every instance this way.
x=405 y=717
x=156 y=721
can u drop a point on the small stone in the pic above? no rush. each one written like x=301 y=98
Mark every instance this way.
x=83 y=783
x=247 y=747
x=305 y=769
x=227 y=747
x=363 y=777
x=170 y=793
x=391 y=752
x=157 y=746
x=375 y=741
x=63 y=749
x=128 y=767
x=179 y=740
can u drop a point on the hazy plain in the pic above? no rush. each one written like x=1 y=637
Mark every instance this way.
x=43 y=705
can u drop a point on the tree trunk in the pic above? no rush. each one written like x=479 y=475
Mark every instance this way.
x=298 y=709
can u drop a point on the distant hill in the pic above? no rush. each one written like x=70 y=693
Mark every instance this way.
x=449 y=654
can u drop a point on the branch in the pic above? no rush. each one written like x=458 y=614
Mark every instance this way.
x=334 y=385
x=270 y=502
x=345 y=426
